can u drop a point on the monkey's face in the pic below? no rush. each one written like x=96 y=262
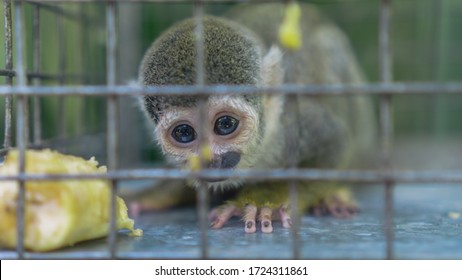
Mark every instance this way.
x=234 y=126
x=231 y=128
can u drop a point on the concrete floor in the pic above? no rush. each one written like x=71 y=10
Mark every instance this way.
x=424 y=229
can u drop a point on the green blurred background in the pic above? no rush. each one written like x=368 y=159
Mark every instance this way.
x=427 y=44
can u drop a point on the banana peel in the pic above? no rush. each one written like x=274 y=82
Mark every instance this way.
x=58 y=213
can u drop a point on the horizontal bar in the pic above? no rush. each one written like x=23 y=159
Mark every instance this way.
x=288 y=89
x=357 y=176
x=166 y=1
x=43 y=76
x=76 y=16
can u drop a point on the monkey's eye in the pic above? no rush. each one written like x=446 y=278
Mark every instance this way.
x=184 y=133
x=225 y=125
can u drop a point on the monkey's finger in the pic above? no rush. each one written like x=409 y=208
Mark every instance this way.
x=285 y=216
x=250 y=214
x=265 y=219
x=213 y=214
x=223 y=215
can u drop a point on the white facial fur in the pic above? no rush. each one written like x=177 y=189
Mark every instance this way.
x=216 y=106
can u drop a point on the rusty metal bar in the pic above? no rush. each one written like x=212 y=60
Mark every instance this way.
x=9 y=66
x=20 y=129
x=378 y=89
x=386 y=120
x=112 y=122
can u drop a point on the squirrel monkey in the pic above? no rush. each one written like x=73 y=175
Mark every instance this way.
x=251 y=131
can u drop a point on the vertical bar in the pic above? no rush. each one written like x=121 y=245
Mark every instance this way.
x=295 y=217
x=62 y=71
x=386 y=120
x=8 y=66
x=440 y=61
x=37 y=138
x=112 y=124
x=292 y=108
x=292 y=154
x=20 y=129
x=202 y=192
x=128 y=60
x=84 y=46
x=82 y=65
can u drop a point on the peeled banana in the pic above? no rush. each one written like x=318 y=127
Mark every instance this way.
x=58 y=213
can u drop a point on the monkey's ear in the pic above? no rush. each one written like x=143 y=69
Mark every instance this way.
x=272 y=71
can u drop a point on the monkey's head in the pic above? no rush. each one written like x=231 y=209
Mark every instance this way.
x=235 y=126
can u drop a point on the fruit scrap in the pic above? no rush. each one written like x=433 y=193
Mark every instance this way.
x=58 y=213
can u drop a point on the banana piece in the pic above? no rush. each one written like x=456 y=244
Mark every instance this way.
x=58 y=213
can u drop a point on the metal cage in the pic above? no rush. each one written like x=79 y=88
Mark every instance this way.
x=28 y=85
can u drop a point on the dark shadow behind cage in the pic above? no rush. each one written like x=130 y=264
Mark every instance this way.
x=67 y=85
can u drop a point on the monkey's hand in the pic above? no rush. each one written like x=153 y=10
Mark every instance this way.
x=260 y=202
x=270 y=201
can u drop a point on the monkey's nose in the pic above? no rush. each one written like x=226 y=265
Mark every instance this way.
x=226 y=160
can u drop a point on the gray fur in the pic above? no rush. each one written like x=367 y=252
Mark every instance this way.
x=333 y=131
x=329 y=131
x=171 y=60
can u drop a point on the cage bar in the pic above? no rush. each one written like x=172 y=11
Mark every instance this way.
x=112 y=122
x=9 y=68
x=37 y=138
x=53 y=8
x=341 y=90
x=202 y=192
x=61 y=109
x=386 y=120
x=293 y=156
x=20 y=129
x=160 y=1
x=385 y=89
